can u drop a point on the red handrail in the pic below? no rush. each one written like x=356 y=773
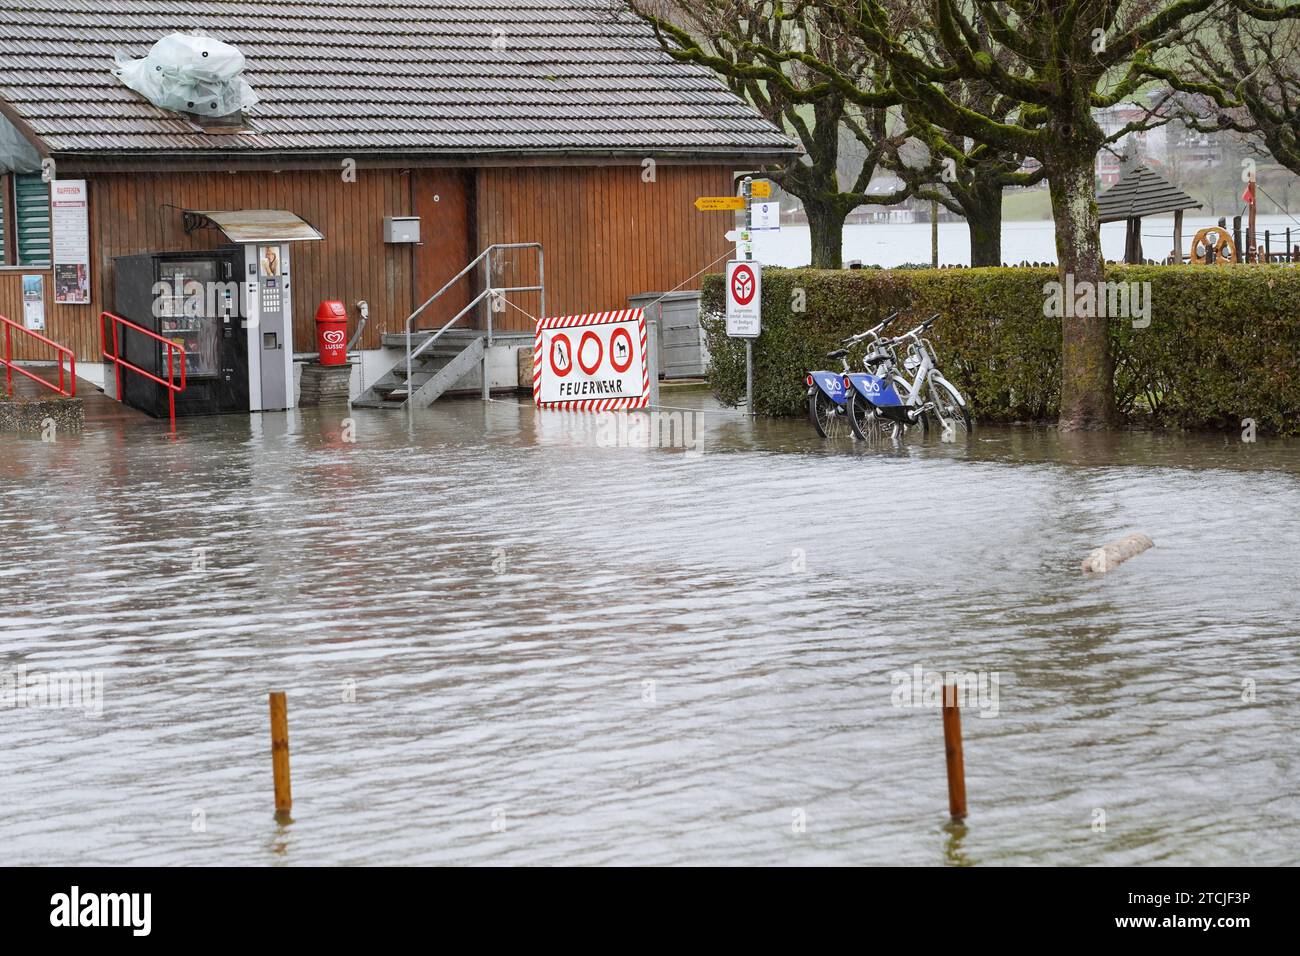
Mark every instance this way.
x=8 y=362
x=119 y=362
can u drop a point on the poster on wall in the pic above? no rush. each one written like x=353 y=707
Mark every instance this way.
x=70 y=223
x=34 y=303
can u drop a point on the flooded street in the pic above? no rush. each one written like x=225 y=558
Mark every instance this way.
x=505 y=642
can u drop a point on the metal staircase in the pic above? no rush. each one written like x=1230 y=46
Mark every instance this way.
x=437 y=360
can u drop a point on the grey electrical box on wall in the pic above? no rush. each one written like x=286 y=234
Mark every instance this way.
x=401 y=229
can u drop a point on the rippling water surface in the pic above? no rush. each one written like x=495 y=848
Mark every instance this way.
x=563 y=652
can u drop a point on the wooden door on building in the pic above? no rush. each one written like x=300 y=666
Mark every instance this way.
x=443 y=199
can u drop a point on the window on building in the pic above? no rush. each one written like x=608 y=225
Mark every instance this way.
x=25 y=221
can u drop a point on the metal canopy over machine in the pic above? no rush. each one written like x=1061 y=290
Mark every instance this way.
x=252 y=225
x=265 y=235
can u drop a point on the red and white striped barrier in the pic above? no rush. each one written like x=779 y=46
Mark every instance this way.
x=591 y=363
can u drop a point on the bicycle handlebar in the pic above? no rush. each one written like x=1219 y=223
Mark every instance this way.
x=874 y=330
x=913 y=334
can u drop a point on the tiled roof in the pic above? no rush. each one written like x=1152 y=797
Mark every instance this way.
x=454 y=77
x=1142 y=192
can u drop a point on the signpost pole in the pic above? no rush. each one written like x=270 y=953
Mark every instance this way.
x=744 y=276
x=748 y=188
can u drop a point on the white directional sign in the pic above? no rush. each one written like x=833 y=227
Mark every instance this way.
x=744 y=299
x=766 y=215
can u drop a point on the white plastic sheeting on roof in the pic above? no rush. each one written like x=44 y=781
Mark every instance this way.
x=17 y=155
x=190 y=74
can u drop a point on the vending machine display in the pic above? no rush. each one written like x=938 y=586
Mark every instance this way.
x=193 y=300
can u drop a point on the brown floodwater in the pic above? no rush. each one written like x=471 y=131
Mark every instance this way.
x=507 y=639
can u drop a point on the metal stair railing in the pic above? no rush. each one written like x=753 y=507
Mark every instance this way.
x=488 y=291
x=66 y=387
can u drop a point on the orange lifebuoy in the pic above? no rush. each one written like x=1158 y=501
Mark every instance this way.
x=1215 y=237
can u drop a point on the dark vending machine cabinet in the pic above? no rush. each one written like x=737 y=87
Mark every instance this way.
x=192 y=299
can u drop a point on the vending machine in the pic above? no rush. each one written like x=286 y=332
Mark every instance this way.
x=231 y=309
x=193 y=300
x=270 y=326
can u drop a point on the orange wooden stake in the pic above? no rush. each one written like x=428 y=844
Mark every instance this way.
x=952 y=751
x=280 y=753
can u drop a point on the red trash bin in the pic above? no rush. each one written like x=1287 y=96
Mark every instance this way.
x=332 y=333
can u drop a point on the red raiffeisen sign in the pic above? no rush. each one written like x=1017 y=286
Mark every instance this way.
x=591 y=363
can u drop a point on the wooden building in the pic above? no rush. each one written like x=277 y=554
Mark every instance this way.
x=552 y=121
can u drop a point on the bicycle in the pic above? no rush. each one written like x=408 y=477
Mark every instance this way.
x=828 y=392
x=889 y=397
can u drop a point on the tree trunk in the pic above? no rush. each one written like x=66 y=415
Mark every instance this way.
x=826 y=228
x=983 y=211
x=1087 y=373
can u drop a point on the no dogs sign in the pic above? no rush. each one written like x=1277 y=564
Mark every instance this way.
x=591 y=363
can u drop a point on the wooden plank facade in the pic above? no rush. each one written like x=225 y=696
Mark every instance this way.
x=608 y=233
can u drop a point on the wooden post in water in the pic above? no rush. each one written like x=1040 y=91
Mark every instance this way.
x=952 y=751
x=280 y=753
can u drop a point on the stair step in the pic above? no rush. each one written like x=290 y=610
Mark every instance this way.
x=441 y=370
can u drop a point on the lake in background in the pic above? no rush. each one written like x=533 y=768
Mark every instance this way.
x=892 y=244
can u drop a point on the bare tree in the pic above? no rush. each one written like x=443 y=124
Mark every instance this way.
x=757 y=47
x=1254 y=54
x=1057 y=61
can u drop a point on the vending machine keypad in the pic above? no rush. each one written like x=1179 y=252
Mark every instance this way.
x=271 y=294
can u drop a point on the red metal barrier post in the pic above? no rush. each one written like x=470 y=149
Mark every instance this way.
x=120 y=363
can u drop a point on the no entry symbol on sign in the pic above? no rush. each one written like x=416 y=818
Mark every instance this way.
x=743 y=285
x=620 y=350
x=594 y=339
x=560 y=351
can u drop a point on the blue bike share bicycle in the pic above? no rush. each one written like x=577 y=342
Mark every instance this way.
x=888 y=396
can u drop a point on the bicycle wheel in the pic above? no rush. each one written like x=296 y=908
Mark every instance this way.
x=950 y=411
x=827 y=417
x=868 y=426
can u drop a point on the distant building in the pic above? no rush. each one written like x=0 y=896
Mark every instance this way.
x=1149 y=147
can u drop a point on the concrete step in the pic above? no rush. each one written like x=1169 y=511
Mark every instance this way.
x=376 y=403
x=447 y=376
x=439 y=371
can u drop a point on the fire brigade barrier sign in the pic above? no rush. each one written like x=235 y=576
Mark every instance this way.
x=744 y=299
x=591 y=363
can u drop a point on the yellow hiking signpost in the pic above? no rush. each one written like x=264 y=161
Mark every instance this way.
x=720 y=203
x=744 y=275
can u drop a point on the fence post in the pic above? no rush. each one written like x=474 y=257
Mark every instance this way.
x=652 y=351
x=280 y=754
x=952 y=753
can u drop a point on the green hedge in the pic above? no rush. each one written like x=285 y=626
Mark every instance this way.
x=1223 y=342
